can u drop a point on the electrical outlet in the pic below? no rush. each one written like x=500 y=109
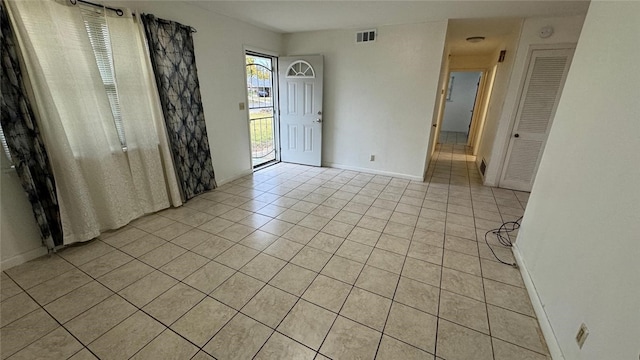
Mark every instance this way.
x=582 y=334
x=241 y=106
x=372 y=158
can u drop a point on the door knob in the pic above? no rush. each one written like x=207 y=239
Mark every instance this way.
x=516 y=135
x=435 y=125
x=318 y=121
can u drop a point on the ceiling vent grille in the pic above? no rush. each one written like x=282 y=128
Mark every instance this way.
x=366 y=36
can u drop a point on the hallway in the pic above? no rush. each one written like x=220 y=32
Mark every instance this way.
x=452 y=137
x=292 y=261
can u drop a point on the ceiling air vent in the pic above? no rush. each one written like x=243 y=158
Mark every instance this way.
x=366 y=36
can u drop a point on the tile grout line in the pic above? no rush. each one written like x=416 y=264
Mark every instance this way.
x=95 y=279
x=444 y=236
x=334 y=253
x=135 y=306
x=254 y=212
x=274 y=275
x=308 y=286
x=240 y=310
x=484 y=290
x=351 y=290
x=116 y=293
x=395 y=291
x=50 y=315
x=298 y=297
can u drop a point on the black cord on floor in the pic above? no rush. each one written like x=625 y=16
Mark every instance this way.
x=502 y=234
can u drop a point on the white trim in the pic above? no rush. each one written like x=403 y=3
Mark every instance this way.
x=23 y=258
x=538 y=307
x=246 y=104
x=258 y=50
x=373 y=171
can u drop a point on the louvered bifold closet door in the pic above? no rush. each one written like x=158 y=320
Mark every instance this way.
x=544 y=80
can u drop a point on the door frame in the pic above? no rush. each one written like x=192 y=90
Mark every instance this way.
x=248 y=50
x=487 y=82
x=438 y=112
x=478 y=107
x=514 y=113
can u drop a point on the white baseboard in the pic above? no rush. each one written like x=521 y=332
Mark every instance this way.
x=243 y=173
x=332 y=165
x=22 y=258
x=373 y=171
x=538 y=308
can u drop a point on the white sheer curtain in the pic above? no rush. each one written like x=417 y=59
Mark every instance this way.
x=99 y=186
x=148 y=148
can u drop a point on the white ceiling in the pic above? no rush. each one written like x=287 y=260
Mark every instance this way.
x=496 y=31
x=307 y=15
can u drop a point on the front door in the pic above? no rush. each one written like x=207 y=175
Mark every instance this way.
x=301 y=109
x=544 y=80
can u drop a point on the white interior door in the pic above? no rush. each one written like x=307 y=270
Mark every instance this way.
x=544 y=80
x=301 y=109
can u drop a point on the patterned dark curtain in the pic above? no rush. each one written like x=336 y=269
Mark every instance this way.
x=24 y=141
x=174 y=65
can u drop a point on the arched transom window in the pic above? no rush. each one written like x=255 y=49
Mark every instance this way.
x=300 y=69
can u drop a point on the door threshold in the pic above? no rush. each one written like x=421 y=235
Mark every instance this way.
x=265 y=165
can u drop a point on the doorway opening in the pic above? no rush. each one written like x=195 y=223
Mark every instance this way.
x=460 y=106
x=261 y=95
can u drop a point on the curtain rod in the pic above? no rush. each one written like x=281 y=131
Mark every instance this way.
x=119 y=12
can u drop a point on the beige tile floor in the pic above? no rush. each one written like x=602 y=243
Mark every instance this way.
x=452 y=137
x=292 y=262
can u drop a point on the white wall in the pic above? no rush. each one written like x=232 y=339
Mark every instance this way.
x=19 y=234
x=500 y=117
x=503 y=75
x=580 y=239
x=379 y=97
x=471 y=62
x=457 y=111
x=221 y=70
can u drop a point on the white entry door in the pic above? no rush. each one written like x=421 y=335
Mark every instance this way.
x=543 y=85
x=301 y=109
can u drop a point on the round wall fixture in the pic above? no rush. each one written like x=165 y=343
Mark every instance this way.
x=545 y=32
